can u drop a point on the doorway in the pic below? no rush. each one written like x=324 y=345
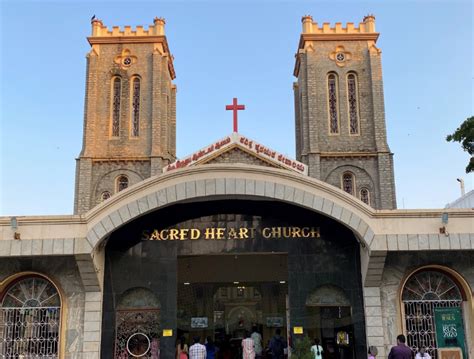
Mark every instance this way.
x=329 y=318
x=224 y=297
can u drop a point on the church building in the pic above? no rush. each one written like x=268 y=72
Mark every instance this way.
x=235 y=237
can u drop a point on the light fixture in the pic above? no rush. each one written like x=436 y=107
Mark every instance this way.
x=444 y=218
x=282 y=282
x=14 y=223
x=14 y=226
x=186 y=283
x=444 y=221
x=236 y=282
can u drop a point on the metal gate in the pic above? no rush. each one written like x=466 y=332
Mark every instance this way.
x=137 y=334
x=29 y=332
x=420 y=323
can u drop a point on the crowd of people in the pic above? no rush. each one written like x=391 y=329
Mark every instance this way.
x=401 y=351
x=250 y=347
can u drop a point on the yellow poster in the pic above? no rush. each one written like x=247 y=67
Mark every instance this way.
x=167 y=332
x=297 y=330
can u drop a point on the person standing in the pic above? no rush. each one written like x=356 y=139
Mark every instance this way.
x=182 y=349
x=197 y=350
x=400 y=351
x=277 y=345
x=248 y=347
x=373 y=352
x=210 y=348
x=317 y=349
x=422 y=354
x=257 y=340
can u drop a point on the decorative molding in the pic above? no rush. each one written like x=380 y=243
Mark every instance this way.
x=340 y=56
x=125 y=59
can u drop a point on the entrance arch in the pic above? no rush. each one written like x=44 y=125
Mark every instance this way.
x=213 y=182
x=286 y=268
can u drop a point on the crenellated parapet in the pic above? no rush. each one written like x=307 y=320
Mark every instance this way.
x=367 y=26
x=154 y=34
x=100 y=30
x=313 y=32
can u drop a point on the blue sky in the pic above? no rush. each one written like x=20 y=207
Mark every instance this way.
x=226 y=49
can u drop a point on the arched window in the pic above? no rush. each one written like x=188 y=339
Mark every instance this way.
x=348 y=182
x=116 y=99
x=353 y=104
x=135 y=125
x=333 y=104
x=104 y=195
x=122 y=183
x=423 y=292
x=30 y=315
x=365 y=195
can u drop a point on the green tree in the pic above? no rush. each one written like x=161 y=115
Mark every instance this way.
x=302 y=349
x=464 y=134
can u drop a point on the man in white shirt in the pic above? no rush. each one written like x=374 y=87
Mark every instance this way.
x=197 y=350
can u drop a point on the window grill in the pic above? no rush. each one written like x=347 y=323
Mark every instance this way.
x=353 y=107
x=423 y=292
x=332 y=95
x=348 y=183
x=136 y=107
x=30 y=316
x=365 y=196
x=116 y=98
x=105 y=195
x=419 y=322
x=29 y=332
x=122 y=183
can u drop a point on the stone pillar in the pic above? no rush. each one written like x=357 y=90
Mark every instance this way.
x=373 y=318
x=92 y=325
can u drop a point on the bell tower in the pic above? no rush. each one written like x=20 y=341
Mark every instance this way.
x=129 y=111
x=339 y=110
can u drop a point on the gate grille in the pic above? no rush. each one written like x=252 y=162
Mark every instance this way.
x=29 y=332
x=419 y=323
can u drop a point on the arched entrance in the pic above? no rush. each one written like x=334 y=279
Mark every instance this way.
x=433 y=317
x=30 y=318
x=268 y=255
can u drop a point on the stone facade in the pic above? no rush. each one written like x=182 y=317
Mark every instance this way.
x=139 y=55
x=404 y=240
x=236 y=155
x=328 y=154
x=367 y=252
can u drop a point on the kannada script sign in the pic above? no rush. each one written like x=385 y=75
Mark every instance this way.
x=248 y=144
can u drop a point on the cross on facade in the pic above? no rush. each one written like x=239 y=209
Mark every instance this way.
x=234 y=107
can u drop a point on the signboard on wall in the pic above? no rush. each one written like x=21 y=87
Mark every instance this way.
x=199 y=322
x=275 y=322
x=449 y=328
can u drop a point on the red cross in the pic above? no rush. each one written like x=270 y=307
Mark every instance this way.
x=234 y=107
